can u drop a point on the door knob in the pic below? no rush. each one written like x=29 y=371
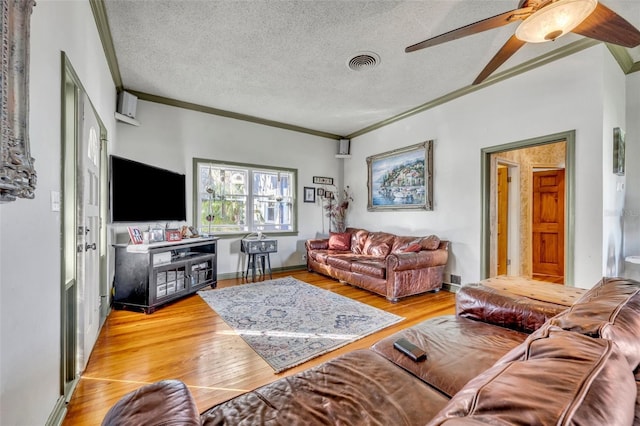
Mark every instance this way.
x=88 y=246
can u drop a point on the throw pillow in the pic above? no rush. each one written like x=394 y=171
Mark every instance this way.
x=340 y=241
x=412 y=248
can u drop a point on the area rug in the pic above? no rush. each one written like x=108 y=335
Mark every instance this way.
x=287 y=321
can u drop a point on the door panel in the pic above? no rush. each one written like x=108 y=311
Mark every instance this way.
x=88 y=202
x=548 y=223
x=503 y=219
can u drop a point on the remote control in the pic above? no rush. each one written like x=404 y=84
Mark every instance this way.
x=410 y=350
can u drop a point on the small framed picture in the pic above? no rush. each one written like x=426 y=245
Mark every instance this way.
x=321 y=180
x=309 y=194
x=135 y=234
x=618 y=151
x=328 y=194
x=320 y=192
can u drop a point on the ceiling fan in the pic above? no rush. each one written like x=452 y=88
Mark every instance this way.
x=545 y=20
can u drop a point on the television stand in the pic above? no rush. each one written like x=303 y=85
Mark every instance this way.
x=148 y=276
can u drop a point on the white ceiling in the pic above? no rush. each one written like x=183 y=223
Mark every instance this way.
x=286 y=61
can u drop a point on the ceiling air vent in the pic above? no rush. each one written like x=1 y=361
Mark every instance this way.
x=364 y=61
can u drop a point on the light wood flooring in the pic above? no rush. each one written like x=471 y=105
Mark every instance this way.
x=186 y=340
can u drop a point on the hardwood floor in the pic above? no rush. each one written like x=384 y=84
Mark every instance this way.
x=188 y=341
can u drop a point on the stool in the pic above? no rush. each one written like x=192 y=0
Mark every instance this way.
x=251 y=264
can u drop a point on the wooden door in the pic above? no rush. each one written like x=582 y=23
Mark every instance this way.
x=548 y=225
x=503 y=219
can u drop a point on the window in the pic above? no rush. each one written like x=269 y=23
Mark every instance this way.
x=238 y=198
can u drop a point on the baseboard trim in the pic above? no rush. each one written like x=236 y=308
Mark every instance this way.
x=453 y=288
x=238 y=274
x=59 y=412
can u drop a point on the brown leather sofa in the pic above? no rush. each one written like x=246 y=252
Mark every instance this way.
x=387 y=264
x=579 y=366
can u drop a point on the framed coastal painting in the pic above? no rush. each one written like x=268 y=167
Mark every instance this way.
x=401 y=179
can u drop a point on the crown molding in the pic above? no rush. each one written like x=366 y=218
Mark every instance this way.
x=102 y=23
x=229 y=114
x=620 y=54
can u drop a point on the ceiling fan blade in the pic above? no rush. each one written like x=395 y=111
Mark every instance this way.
x=476 y=27
x=606 y=25
x=510 y=47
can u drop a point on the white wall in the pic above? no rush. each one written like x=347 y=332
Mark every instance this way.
x=171 y=137
x=562 y=96
x=30 y=232
x=613 y=186
x=632 y=174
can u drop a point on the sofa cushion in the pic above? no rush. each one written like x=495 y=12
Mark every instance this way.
x=431 y=242
x=356 y=388
x=341 y=262
x=378 y=244
x=458 y=349
x=636 y=421
x=399 y=244
x=611 y=310
x=558 y=378
x=340 y=241
x=373 y=268
x=321 y=256
x=358 y=238
x=504 y=308
x=167 y=402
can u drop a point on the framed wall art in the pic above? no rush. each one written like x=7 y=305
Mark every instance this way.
x=401 y=179
x=309 y=194
x=17 y=173
x=618 y=151
x=321 y=180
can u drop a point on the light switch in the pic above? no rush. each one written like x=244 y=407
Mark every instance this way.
x=55 y=201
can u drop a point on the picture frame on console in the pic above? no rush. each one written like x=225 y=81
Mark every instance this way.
x=401 y=179
x=135 y=234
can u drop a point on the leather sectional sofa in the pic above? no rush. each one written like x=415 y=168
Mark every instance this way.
x=501 y=360
x=390 y=265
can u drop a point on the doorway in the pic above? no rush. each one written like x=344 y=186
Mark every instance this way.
x=84 y=284
x=547 y=230
x=502 y=215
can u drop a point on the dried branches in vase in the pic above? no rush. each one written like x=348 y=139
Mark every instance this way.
x=336 y=210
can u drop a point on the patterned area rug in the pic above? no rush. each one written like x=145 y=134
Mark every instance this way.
x=287 y=321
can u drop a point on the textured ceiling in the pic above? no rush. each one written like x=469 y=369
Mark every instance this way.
x=286 y=61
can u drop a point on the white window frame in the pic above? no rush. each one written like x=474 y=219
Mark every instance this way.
x=249 y=225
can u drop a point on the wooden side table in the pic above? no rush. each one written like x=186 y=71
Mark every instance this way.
x=258 y=249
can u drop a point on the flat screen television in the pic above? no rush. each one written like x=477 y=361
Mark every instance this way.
x=143 y=193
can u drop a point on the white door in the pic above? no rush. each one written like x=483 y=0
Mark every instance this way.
x=88 y=242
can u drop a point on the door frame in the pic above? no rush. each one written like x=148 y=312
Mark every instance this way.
x=513 y=213
x=569 y=138
x=71 y=90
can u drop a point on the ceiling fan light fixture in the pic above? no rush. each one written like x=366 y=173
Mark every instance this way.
x=555 y=20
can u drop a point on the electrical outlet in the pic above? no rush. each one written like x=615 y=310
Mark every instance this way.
x=456 y=279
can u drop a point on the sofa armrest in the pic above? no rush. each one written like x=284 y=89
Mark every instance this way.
x=422 y=259
x=317 y=244
x=503 y=308
x=161 y=403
